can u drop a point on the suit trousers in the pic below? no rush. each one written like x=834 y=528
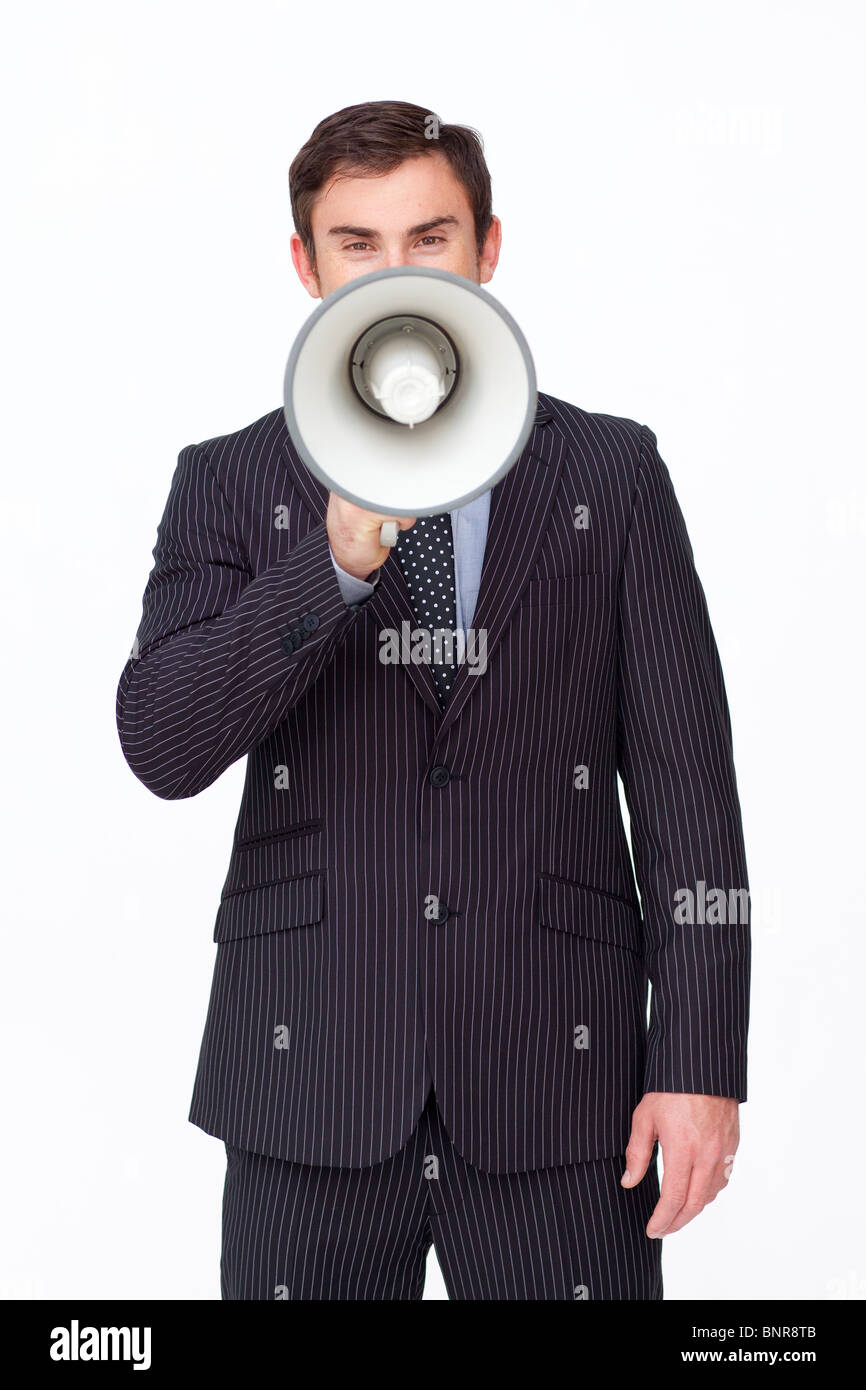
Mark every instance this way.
x=298 y=1231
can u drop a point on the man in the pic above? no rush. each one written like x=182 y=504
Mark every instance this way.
x=428 y=1014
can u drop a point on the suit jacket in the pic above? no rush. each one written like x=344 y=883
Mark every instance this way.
x=417 y=895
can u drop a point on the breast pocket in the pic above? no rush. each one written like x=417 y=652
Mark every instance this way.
x=562 y=589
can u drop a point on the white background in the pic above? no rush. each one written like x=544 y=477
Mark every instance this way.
x=681 y=191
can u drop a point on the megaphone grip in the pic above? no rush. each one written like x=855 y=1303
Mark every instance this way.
x=388 y=533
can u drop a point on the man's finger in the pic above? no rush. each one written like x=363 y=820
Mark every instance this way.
x=706 y=1182
x=674 y=1192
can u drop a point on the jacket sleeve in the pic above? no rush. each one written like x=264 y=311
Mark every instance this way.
x=676 y=763
x=220 y=657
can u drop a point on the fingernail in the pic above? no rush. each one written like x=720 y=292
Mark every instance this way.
x=626 y=1177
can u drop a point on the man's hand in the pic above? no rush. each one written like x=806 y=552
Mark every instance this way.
x=353 y=535
x=699 y=1137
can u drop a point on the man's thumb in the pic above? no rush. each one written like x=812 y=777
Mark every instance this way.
x=640 y=1148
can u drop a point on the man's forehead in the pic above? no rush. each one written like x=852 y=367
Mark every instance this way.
x=349 y=186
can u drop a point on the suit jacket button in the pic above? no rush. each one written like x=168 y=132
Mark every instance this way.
x=310 y=621
x=439 y=775
x=291 y=641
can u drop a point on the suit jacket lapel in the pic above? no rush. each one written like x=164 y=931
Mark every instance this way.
x=519 y=510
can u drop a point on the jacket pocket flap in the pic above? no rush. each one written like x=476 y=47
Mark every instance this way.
x=270 y=907
x=572 y=907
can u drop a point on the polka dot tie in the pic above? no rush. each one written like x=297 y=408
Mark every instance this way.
x=426 y=556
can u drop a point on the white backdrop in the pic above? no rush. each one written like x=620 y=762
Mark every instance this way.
x=680 y=186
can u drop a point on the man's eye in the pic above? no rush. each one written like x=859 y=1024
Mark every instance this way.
x=432 y=238
x=355 y=244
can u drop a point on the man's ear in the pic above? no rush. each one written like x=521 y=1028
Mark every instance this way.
x=489 y=257
x=305 y=267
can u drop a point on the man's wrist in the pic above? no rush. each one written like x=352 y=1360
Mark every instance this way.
x=353 y=587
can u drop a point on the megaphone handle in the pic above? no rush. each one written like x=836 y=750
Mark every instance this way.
x=388 y=533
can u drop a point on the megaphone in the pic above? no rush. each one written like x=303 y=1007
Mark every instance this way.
x=409 y=391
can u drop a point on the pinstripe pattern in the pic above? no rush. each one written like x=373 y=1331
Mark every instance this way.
x=335 y=1002
x=295 y=1232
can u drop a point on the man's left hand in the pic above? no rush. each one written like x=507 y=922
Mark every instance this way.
x=698 y=1137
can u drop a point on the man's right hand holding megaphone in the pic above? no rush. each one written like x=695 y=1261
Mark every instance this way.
x=355 y=536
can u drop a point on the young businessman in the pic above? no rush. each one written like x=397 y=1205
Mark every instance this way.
x=428 y=1014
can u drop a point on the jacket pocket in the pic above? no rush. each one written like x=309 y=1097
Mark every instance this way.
x=580 y=587
x=572 y=907
x=270 y=907
x=274 y=855
x=288 y=832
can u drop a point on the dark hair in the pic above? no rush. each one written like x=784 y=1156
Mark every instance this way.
x=375 y=137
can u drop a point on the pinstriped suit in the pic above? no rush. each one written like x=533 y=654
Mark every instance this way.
x=335 y=1001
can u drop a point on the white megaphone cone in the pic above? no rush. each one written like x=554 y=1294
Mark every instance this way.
x=409 y=391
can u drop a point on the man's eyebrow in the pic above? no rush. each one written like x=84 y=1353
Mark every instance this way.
x=369 y=232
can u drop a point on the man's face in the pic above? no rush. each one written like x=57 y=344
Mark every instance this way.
x=419 y=214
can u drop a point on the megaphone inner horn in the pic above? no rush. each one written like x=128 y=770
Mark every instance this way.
x=404 y=368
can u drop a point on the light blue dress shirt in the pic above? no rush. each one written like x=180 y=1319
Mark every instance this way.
x=469 y=534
